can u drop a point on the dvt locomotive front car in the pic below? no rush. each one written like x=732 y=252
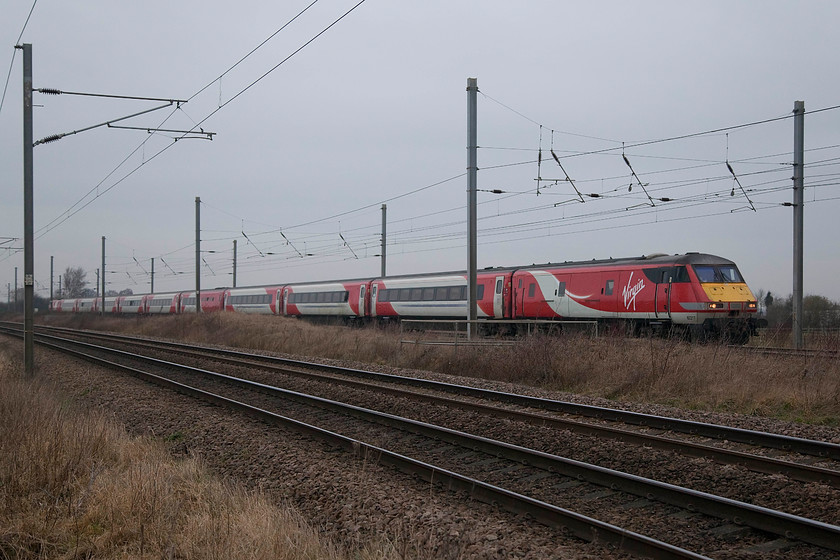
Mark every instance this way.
x=720 y=304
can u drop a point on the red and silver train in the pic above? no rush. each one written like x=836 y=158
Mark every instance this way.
x=696 y=295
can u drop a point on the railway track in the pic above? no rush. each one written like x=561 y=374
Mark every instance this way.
x=789 y=352
x=521 y=408
x=508 y=471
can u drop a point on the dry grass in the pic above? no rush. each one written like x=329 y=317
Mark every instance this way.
x=707 y=377
x=72 y=485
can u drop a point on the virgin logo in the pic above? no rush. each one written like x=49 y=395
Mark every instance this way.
x=631 y=291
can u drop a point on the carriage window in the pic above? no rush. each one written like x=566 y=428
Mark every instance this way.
x=479 y=295
x=428 y=294
x=440 y=294
x=499 y=284
x=608 y=289
x=531 y=289
x=383 y=295
x=455 y=293
x=416 y=294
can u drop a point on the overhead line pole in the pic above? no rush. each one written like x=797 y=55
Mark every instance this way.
x=798 y=217
x=198 y=254
x=28 y=219
x=472 y=185
x=234 y=263
x=152 y=289
x=102 y=310
x=382 y=251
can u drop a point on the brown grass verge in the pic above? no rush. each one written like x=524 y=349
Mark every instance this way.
x=73 y=485
x=706 y=377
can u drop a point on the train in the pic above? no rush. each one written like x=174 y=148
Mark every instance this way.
x=694 y=295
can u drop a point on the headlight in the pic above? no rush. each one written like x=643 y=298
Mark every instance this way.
x=751 y=305
x=716 y=306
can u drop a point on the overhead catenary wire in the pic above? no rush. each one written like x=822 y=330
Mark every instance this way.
x=14 y=54
x=70 y=213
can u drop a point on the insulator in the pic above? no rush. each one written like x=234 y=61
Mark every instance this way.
x=665 y=199
x=594 y=195
x=52 y=138
x=497 y=191
x=50 y=91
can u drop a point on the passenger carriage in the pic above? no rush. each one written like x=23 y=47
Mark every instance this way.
x=347 y=300
x=252 y=300
x=132 y=305
x=87 y=305
x=211 y=300
x=158 y=304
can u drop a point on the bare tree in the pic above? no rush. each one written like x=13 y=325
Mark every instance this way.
x=74 y=282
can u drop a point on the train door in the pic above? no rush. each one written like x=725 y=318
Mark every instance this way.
x=608 y=293
x=362 y=310
x=663 y=293
x=373 y=296
x=285 y=305
x=518 y=296
x=499 y=298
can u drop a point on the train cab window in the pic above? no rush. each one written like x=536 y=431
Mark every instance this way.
x=531 y=290
x=730 y=274
x=428 y=294
x=680 y=274
x=706 y=273
x=499 y=284
x=561 y=289
x=608 y=288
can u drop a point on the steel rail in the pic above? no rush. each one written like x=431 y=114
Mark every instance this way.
x=581 y=526
x=787 y=525
x=714 y=431
x=757 y=463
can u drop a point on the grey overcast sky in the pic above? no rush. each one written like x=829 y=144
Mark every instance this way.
x=374 y=111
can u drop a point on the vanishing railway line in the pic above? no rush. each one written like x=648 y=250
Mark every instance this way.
x=635 y=426
x=501 y=472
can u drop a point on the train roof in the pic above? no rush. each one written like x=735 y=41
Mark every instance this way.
x=654 y=259
x=643 y=260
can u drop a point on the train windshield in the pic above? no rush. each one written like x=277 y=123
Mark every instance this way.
x=719 y=274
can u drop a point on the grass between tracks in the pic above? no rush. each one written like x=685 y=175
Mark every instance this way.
x=73 y=485
x=706 y=377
